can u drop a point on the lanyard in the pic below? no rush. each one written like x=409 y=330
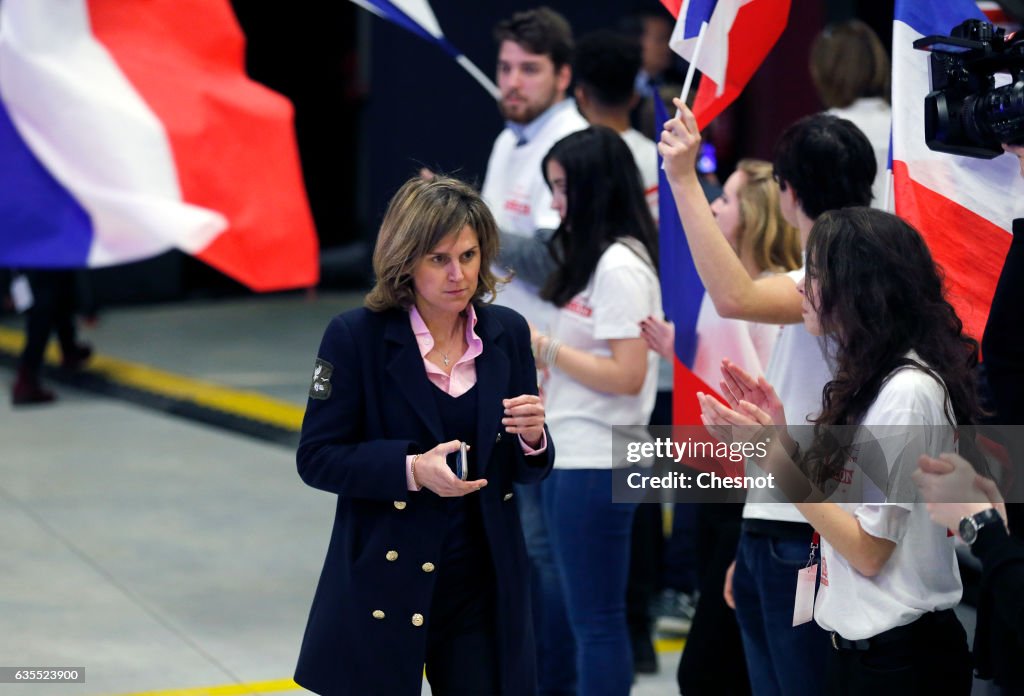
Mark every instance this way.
x=815 y=543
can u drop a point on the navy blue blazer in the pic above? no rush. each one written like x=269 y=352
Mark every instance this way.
x=373 y=407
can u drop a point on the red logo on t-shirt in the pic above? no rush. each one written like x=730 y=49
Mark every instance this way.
x=843 y=476
x=579 y=307
x=824 y=572
x=518 y=207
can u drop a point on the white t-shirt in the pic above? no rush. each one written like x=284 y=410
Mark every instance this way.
x=623 y=290
x=874 y=117
x=921 y=576
x=645 y=152
x=748 y=344
x=515 y=190
x=799 y=370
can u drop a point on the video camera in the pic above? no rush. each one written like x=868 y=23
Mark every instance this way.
x=965 y=113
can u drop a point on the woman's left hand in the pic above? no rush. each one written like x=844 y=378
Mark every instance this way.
x=660 y=336
x=524 y=416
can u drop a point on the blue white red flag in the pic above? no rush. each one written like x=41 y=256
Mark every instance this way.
x=681 y=295
x=962 y=206
x=693 y=13
x=417 y=17
x=739 y=36
x=129 y=129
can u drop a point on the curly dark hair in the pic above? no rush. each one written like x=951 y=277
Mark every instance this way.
x=879 y=295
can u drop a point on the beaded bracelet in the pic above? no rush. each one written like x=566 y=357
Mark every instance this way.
x=412 y=470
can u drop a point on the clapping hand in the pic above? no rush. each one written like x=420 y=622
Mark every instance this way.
x=753 y=404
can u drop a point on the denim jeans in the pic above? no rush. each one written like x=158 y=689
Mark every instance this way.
x=590 y=537
x=556 y=666
x=782 y=660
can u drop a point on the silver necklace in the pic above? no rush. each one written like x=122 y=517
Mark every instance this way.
x=444 y=354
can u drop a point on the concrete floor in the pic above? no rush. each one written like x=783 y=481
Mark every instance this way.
x=164 y=556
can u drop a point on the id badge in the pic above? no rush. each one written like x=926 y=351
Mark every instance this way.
x=803 y=606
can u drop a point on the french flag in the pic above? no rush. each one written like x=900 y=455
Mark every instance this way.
x=739 y=35
x=963 y=206
x=128 y=129
x=681 y=295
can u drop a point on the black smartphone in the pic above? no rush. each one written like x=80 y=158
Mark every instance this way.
x=458 y=462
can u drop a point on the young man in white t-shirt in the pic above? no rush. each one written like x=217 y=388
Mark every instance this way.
x=534 y=53
x=821 y=162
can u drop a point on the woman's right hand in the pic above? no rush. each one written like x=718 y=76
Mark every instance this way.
x=660 y=336
x=738 y=386
x=431 y=471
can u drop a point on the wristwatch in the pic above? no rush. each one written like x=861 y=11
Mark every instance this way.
x=972 y=524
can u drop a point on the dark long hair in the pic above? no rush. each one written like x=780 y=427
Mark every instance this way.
x=605 y=202
x=880 y=295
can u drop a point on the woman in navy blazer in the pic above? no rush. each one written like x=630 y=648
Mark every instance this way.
x=423 y=567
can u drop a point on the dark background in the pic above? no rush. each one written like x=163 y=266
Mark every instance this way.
x=373 y=103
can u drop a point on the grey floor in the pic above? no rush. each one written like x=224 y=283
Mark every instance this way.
x=157 y=553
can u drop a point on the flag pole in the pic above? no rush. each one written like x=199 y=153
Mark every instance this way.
x=478 y=75
x=693 y=64
x=689 y=72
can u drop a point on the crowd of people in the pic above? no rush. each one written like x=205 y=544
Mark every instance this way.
x=528 y=316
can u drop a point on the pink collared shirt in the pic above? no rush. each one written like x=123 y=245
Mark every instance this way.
x=462 y=378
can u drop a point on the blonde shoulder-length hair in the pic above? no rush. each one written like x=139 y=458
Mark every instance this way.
x=774 y=242
x=419 y=216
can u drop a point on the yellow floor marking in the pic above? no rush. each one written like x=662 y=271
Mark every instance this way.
x=263 y=687
x=661 y=645
x=248 y=404
x=667 y=645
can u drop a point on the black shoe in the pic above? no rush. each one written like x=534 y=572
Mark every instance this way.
x=76 y=357
x=29 y=391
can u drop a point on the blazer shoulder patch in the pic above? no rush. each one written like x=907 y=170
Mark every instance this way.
x=320 y=387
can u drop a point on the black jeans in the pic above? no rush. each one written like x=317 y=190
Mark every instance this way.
x=53 y=305
x=713 y=663
x=462 y=648
x=926 y=657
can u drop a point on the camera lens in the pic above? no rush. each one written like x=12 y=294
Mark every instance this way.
x=995 y=117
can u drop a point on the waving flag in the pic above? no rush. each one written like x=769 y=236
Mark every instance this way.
x=416 y=16
x=962 y=206
x=129 y=129
x=739 y=35
x=681 y=295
